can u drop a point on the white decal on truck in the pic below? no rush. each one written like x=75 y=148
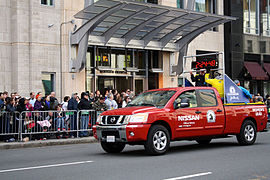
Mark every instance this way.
x=189 y=118
x=211 y=116
x=258 y=111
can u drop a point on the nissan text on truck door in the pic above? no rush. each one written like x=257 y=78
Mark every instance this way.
x=157 y=117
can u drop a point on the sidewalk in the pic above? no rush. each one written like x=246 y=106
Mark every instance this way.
x=50 y=142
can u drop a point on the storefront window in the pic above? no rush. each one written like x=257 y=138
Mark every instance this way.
x=265 y=16
x=139 y=59
x=102 y=57
x=155 y=59
x=251 y=16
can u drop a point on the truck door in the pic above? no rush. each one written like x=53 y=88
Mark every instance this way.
x=212 y=113
x=188 y=120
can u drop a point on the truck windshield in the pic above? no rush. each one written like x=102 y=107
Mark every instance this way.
x=153 y=98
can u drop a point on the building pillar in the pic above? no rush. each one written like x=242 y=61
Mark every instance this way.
x=146 y=71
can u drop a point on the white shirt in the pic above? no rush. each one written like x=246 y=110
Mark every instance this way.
x=65 y=106
x=111 y=104
x=32 y=102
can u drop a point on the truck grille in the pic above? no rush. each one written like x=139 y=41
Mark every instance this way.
x=110 y=120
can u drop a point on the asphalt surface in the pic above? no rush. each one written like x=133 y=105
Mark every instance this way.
x=222 y=159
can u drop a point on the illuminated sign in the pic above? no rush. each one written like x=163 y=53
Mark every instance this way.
x=205 y=62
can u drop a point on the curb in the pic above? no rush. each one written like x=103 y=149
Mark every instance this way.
x=42 y=143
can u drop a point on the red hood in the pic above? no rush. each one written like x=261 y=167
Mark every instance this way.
x=131 y=110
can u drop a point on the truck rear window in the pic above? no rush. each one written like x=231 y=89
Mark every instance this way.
x=207 y=98
x=152 y=98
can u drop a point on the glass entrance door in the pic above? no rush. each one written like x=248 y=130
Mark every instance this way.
x=110 y=83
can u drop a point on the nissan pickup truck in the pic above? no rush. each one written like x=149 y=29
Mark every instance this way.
x=157 y=117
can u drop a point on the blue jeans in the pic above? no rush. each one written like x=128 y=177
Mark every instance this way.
x=73 y=124
x=84 y=124
x=61 y=122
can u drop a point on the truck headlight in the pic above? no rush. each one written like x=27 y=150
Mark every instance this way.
x=99 y=120
x=138 y=118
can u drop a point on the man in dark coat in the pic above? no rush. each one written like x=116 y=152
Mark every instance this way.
x=100 y=105
x=73 y=106
x=84 y=106
x=199 y=79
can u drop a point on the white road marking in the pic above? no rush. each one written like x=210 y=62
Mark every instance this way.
x=190 y=176
x=45 y=166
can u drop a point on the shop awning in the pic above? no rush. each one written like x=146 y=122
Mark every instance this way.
x=267 y=68
x=256 y=71
x=140 y=25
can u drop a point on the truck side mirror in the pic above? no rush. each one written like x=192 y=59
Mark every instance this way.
x=183 y=104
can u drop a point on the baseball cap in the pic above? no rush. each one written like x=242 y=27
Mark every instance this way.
x=236 y=81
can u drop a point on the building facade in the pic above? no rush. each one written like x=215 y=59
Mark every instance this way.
x=35 y=53
x=247 y=43
x=109 y=67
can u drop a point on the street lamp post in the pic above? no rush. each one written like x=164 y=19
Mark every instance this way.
x=61 y=68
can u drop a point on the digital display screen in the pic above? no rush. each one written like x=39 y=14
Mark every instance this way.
x=205 y=62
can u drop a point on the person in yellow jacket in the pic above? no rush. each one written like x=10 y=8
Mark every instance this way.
x=217 y=82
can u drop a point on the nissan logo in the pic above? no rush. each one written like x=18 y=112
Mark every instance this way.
x=112 y=119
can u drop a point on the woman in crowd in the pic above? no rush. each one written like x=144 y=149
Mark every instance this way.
x=38 y=104
x=47 y=103
x=126 y=101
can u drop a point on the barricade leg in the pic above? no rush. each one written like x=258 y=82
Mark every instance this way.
x=77 y=123
x=20 y=138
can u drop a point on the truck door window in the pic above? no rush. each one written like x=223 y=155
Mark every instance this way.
x=191 y=95
x=207 y=98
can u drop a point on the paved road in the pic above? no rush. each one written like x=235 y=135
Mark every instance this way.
x=222 y=159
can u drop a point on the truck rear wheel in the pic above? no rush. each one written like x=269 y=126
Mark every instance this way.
x=158 y=140
x=248 y=133
x=112 y=147
x=203 y=141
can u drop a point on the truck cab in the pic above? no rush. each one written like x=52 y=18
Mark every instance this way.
x=157 y=117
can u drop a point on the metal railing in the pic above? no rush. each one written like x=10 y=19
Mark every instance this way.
x=45 y=124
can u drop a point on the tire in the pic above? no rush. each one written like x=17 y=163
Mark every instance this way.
x=248 y=133
x=112 y=147
x=204 y=141
x=158 y=140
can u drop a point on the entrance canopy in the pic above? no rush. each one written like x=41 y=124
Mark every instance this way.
x=141 y=25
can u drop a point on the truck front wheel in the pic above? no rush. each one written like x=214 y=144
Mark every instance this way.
x=112 y=147
x=158 y=140
x=248 y=133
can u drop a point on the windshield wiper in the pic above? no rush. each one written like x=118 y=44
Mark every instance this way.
x=129 y=105
x=147 y=104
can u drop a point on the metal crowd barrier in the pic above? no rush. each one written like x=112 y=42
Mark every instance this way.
x=86 y=120
x=44 y=124
x=9 y=124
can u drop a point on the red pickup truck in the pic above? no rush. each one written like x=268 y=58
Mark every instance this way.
x=157 y=117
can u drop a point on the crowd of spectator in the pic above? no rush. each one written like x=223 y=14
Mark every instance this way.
x=56 y=117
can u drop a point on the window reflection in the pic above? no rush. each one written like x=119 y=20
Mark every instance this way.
x=250 y=16
x=265 y=13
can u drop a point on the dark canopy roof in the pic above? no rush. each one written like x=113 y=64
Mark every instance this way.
x=142 y=25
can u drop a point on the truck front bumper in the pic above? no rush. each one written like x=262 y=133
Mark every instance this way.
x=122 y=133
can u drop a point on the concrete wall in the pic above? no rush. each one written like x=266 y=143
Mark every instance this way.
x=29 y=47
x=71 y=82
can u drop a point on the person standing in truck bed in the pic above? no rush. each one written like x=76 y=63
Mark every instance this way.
x=199 y=79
